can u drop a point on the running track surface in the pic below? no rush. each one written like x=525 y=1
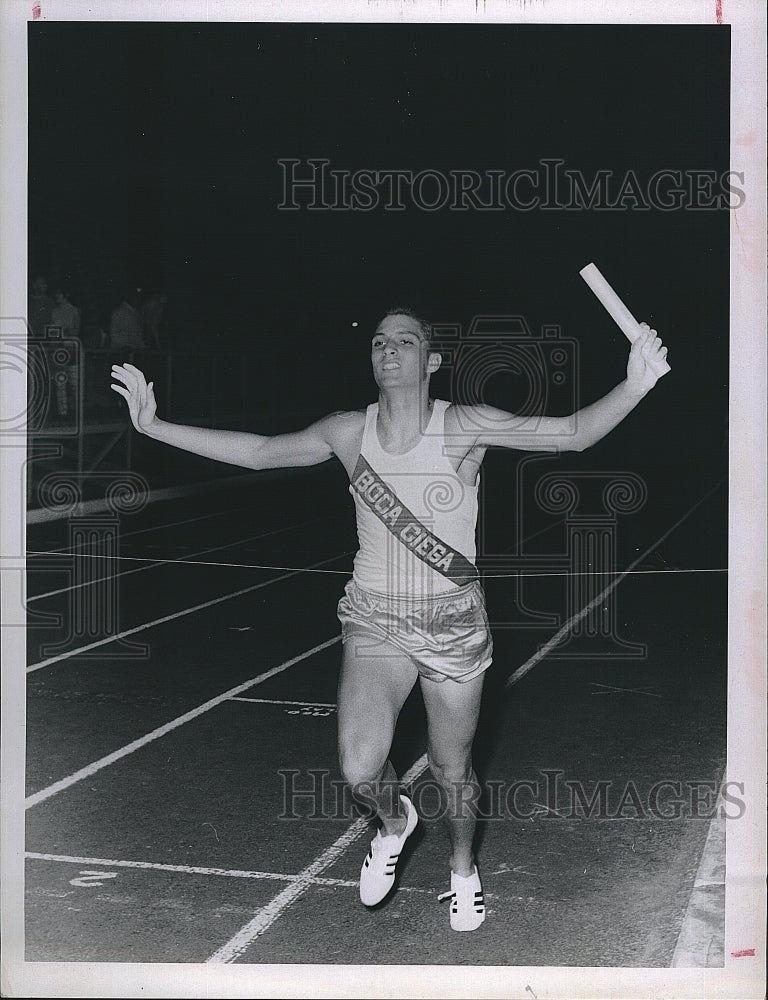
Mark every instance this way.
x=158 y=763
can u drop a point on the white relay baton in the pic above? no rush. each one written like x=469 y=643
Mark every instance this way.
x=618 y=311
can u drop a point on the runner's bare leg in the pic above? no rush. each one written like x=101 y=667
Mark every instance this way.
x=452 y=713
x=375 y=682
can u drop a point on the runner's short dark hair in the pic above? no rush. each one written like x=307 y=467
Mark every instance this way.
x=427 y=331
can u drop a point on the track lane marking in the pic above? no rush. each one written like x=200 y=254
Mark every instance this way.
x=157 y=562
x=176 y=614
x=66 y=550
x=196 y=562
x=278 y=701
x=98 y=765
x=335 y=883
x=181 y=869
x=189 y=561
x=701 y=941
x=45 y=515
x=562 y=632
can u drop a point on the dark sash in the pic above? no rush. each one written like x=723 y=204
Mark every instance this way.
x=406 y=527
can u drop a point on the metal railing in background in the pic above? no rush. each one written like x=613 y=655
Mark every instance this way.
x=79 y=426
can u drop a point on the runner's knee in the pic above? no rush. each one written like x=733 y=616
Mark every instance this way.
x=450 y=770
x=362 y=763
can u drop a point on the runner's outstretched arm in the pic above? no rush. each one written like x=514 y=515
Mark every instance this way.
x=251 y=451
x=586 y=426
x=593 y=422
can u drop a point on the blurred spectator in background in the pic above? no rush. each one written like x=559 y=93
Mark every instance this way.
x=66 y=317
x=152 y=315
x=125 y=324
x=64 y=314
x=39 y=305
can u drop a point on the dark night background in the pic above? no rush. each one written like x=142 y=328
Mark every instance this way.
x=153 y=154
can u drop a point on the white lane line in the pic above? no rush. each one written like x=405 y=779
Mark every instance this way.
x=161 y=562
x=189 y=561
x=178 y=562
x=277 y=701
x=98 y=765
x=176 y=614
x=593 y=574
x=46 y=514
x=65 y=549
x=158 y=866
x=340 y=883
x=268 y=914
x=181 y=869
x=701 y=941
x=334 y=883
x=562 y=632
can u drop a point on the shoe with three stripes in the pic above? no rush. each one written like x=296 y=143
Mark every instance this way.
x=467 y=905
x=377 y=876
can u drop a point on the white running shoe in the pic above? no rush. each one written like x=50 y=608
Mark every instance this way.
x=467 y=905
x=377 y=876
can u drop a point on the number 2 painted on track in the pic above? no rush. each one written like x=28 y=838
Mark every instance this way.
x=92 y=878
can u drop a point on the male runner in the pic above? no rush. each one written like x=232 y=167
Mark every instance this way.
x=414 y=608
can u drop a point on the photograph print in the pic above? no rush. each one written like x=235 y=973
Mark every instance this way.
x=378 y=521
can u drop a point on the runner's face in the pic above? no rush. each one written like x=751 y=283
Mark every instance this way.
x=400 y=353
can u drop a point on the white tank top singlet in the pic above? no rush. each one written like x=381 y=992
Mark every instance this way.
x=423 y=482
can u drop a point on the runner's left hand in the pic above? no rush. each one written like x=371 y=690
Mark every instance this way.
x=646 y=359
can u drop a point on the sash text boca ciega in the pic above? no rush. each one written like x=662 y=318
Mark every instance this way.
x=406 y=527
